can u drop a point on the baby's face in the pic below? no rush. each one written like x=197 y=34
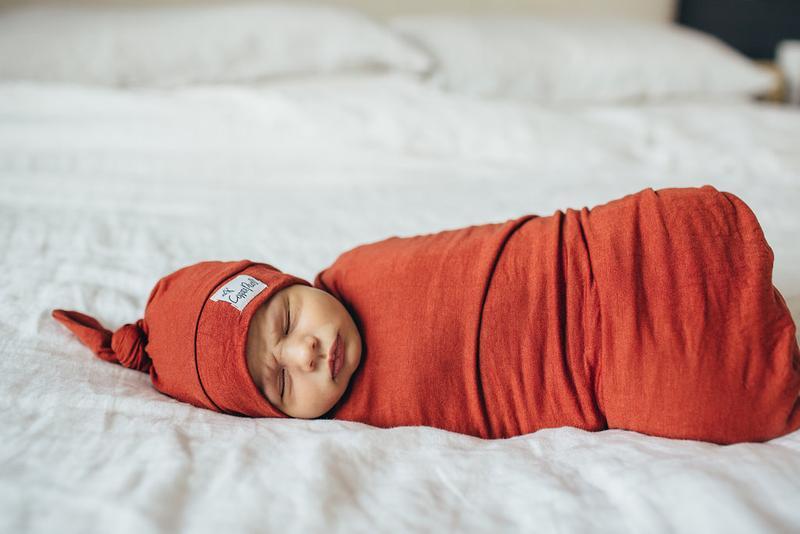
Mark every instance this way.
x=290 y=346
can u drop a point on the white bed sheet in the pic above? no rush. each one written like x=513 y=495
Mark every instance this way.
x=102 y=192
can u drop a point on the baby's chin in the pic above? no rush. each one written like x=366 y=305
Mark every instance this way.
x=321 y=411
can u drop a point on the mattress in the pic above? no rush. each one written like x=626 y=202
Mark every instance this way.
x=103 y=191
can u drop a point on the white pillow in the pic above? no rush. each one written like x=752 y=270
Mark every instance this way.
x=554 y=59
x=179 y=44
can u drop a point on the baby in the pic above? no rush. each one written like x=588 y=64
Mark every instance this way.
x=653 y=313
x=302 y=349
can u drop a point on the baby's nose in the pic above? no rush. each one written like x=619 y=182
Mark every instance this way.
x=306 y=353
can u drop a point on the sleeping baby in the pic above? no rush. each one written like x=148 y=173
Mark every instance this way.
x=653 y=313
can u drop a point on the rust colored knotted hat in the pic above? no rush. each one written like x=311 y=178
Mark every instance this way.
x=193 y=337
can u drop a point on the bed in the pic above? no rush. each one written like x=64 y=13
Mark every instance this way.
x=109 y=182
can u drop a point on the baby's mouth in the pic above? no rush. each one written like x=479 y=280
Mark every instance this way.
x=336 y=356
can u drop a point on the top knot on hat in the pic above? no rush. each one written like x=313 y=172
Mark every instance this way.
x=125 y=346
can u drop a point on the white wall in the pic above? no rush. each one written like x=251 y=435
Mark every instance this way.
x=663 y=10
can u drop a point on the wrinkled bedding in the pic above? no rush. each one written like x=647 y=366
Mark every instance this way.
x=102 y=192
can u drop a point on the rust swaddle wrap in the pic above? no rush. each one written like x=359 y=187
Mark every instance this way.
x=654 y=313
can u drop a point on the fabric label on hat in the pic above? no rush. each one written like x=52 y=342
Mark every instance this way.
x=239 y=291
